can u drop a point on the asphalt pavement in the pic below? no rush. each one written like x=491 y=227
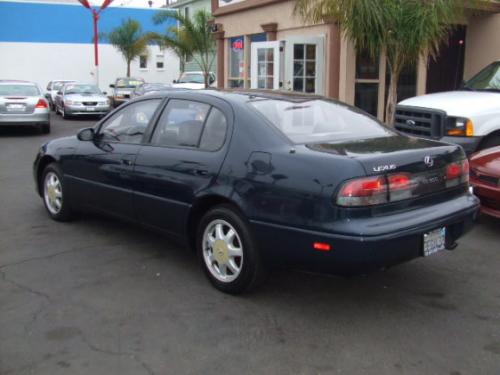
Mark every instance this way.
x=97 y=296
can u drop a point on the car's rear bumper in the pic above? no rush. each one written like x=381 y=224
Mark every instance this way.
x=24 y=119
x=489 y=196
x=374 y=243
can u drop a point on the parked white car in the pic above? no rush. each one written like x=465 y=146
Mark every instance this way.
x=194 y=81
x=469 y=116
x=52 y=88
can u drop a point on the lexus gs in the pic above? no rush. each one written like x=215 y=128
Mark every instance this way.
x=252 y=180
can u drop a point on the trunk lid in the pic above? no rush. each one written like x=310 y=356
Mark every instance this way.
x=426 y=161
x=18 y=104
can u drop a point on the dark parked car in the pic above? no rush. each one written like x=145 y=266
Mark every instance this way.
x=253 y=179
x=485 y=177
x=150 y=89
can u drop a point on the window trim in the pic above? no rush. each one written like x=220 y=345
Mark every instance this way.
x=149 y=141
x=123 y=107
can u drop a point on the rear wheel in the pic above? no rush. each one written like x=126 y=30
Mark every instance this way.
x=227 y=252
x=55 y=193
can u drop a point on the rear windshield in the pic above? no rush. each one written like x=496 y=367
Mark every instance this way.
x=19 y=90
x=319 y=120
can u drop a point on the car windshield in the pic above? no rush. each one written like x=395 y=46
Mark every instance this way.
x=487 y=79
x=191 y=78
x=312 y=121
x=58 y=84
x=128 y=83
x=19 y=90
x=81 y=89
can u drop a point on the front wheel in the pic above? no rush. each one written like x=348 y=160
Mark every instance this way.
x=55 y=194
x=227 y=252
x=64 y=114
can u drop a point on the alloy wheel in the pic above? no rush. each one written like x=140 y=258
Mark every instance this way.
x=52 y=193
x=222 y=250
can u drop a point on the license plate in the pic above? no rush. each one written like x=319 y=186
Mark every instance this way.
x=90 y=109
x=434 y=241
x=15 y=107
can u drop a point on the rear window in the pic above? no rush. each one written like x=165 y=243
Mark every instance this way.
x=19 y=90
x=319 y=120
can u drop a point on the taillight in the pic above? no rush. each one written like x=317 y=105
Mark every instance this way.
x=42 y=103
x=369 y=191
x=363 y=192
x=457 y=173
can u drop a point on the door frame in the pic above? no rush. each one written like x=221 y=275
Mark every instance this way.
x=319 y=41
x=254 y=63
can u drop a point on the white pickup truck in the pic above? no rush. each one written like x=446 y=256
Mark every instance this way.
x=469 y=116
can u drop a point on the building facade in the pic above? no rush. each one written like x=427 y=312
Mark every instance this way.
x=263 y=44
x=188 y=8
x=43 y=41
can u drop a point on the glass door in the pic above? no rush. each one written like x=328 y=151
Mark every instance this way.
x=304 y=67
x=265 y=65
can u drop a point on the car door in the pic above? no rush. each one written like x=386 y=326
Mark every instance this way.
x=102 y=169
x=183 y=158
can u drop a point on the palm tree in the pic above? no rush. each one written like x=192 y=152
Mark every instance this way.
x=129 y=39
x=191 y=38
x=404 y=29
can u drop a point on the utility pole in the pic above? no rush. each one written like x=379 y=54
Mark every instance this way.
x=95 y=18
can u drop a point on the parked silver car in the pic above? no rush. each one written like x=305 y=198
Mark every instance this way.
x=75 y=99
x=52 y=88
x=22 y=103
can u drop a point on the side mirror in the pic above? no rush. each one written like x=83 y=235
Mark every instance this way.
x=112 y=86
x=48 y=89
x=85 y=135
x=59 y=93
x=174 y=81
x=104 y=93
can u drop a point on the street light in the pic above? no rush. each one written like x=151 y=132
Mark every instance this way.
x=95 y=18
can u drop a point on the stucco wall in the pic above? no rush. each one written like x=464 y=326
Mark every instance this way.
x=43 y=62
x=482 y=44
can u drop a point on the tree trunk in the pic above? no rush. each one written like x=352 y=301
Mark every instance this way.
x=128 y=69
x=392 y=97
x=205 y=76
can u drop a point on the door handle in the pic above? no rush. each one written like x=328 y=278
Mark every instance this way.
x=200 y=172
x=126 y=162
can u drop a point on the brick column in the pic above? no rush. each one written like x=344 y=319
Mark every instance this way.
x=333 y=65
x=271 y=30
x=219 y=38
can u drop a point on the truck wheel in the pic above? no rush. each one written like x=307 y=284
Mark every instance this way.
x=490 y=141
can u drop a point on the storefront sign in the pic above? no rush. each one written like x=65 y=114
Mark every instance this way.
x=237 y=44
x=223 y=3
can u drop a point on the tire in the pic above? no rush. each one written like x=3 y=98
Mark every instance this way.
x=490 y=141
x=63 y=113
x=61 y=211
x=233 y=274
x=45 y=128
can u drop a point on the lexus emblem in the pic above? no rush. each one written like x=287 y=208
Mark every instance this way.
x=411 y=122
x=429 y=161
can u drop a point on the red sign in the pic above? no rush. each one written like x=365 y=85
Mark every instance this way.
x=237 y=45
